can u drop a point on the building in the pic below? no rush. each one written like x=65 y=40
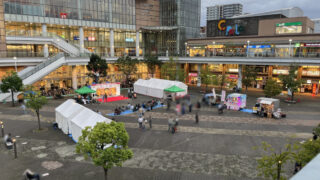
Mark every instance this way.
x=223 y=11
x=288 y=12
x=316 y=25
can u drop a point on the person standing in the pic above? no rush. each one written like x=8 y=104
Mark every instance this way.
x=150 y=122
x=197 y=118
x=23 y=107
x=140 y=120
x=168 y=105
x=190 y=106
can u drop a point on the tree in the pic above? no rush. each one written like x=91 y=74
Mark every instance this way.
x=127 y=65
x=249 y=75
x=172 y=70
x=206 y=77
x=13 y=83
x=106 y=144
x=270 y=164
x=306 y=151
x=272 y=88
x=97 y=67
x=221 y=81
x=35 y=101
x=290 y=81
x=152 y=62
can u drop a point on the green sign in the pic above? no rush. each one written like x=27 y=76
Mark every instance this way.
x=290 y=24
x=297 y=45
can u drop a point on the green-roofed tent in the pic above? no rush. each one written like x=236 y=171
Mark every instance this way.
x=174 y=89
x=85 y=90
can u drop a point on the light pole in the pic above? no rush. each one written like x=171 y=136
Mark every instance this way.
x=214 y=49
x=15 y=63
x=15 y=147
x=290 y=41
x=186 y=45
x=2 y=128
x=248 y=48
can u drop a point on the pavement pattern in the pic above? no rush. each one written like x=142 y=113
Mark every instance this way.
x=219 y=147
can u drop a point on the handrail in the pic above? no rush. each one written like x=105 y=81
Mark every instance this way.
x=42 y=65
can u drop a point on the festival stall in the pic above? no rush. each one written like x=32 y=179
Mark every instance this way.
x=108 y=89
x=266 y=106
x=236 y=101
x=156 y=87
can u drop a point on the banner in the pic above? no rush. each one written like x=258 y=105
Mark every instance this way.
x=223 y=96
x=109 y=89
x=214 y=93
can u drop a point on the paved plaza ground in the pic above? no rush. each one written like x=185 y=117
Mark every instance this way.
x=219 y=147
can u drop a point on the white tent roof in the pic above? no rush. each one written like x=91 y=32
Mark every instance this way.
x=155 y=87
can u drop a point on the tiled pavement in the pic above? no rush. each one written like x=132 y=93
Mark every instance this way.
x=220 y=147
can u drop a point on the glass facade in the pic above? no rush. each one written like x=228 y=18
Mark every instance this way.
x=112 y=11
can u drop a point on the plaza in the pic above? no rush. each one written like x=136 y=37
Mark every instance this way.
x=219 y=147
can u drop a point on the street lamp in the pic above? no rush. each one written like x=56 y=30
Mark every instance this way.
x=15 y=63
x=290 y=41
x=14 y=147
x=248 y=48
x=2 y=128
x=214 y=50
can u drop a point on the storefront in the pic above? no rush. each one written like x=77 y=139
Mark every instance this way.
x=197 y=51
x=260 y=50
x=216 y=50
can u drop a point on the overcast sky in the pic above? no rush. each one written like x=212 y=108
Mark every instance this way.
x=311 y=8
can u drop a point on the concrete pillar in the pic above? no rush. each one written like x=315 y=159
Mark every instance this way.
x=239 y=77
x=270 y=72
x=199 y=75
x=111 y=43
x=299 y=76
x=137 y=43
x=79 y=10
x=81 y=39
x=45 y=47
x=74 y=78
x=186 y=69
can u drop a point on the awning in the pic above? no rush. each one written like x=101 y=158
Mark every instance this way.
x=85 y=90
x=266 y=102
x=159 y=28
x=174 y=89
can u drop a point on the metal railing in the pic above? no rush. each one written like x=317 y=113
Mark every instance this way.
x=42 y=65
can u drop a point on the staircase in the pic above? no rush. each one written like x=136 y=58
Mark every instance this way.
x=36 y=73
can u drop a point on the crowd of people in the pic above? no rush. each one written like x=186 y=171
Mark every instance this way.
x=145 y=106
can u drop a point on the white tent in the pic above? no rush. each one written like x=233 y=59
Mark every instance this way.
x=65 y=112
x=155 y=87
x=84 y=119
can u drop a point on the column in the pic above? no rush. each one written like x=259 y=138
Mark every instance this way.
x=45 y=47
x=81 y=39
x=299 y=77
x=239 y=77
x=74 y=78
x=178 y=39
x=270 y=72
x=79 y=10
x=137 y=43
x=199 y=75
x=186 y=69
x=111 y=43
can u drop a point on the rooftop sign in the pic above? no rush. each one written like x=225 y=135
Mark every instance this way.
x=289 y=24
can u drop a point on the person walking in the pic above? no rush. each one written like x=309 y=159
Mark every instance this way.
x=23 y=107
x=150 y=122
x=170 y=123
x=190 y=106
x=140 y=120
x=197 y=118
x=168 y=105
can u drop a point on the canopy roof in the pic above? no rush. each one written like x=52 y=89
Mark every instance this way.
x=85 y=90
x=174 y=89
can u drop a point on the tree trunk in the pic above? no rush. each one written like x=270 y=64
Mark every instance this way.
x=292 y=95
x=38 y=115
x=246 y=89
x=105 y=174
x=12 y=97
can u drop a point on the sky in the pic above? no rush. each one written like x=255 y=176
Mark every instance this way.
x=310 y=7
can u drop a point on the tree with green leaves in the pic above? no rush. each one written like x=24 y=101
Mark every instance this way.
x=11 y=83
x=290 y=81
x=152 y=62
x=316 y=130
x=35 y=101
x=127 y=66
x=97 y=67
x=106 y=144
x=222 y=79
x=306 y=151
x=206 y=77
x=249 y=75
x=172 y=70
x=271 y=163
x=272 y=88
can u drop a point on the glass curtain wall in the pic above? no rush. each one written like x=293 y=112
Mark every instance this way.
x=112 y=11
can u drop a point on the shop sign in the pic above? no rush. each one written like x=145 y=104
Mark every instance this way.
x=220 y=46
x=63 y=15
x=129 y=40
x=233 y=77
x=289 y=24
x=91 y=38
x=259 y=46
x=76 y=38
x=297 y=45
x=193 y=74
x=312 y=45
x=233 y=70
x=309 y=81
x=259 y=79
x=222 y=25
x=280 y=71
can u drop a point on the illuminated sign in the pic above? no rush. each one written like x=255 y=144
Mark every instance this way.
x=76 y=38
x=312 y=45
x=289 y=24
x=129 y=40
x=259 y=46
x=91 y=38
x=63 y=15
x=222 y=25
